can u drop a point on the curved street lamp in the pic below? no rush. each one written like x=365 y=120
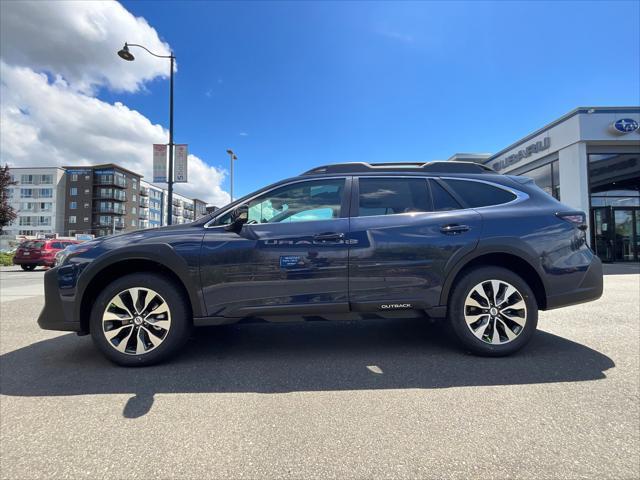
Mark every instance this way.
x=125 y=54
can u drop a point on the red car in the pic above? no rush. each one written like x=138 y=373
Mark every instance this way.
x=32 y=253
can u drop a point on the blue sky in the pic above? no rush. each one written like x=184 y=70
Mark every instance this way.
x=291 y=85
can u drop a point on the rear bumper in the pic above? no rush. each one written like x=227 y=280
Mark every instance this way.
x=590 y=288
x=45 y=262
x=53 y=315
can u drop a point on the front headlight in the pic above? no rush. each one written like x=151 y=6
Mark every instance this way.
x=61 y=256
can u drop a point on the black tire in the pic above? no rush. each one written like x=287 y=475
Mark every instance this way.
x=28 y=268
x=175 y=337
x=462 y=331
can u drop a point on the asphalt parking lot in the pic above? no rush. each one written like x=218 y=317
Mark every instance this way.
x=391 y=399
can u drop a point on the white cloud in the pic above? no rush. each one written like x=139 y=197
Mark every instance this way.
x=53 y=119
x=79 y=40
x=48 y=124
x=243 y=134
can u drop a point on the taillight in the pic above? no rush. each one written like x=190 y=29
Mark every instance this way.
x=578 y=219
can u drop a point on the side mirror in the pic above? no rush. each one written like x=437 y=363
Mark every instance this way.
x=239 y=217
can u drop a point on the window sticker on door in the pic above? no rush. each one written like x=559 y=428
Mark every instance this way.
x=288 y=261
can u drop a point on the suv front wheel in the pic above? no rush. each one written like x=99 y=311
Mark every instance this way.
x=140 y=319
x=493 y=311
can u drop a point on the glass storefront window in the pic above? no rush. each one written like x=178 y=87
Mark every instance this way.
x=609 y=173
x=614 y=185
x=555 y=176
x=547 y=177
x=614 y=180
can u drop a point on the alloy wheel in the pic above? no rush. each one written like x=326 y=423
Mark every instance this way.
x=136 y=321
x=495 y=312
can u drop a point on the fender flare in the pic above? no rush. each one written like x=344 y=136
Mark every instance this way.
x=161 y=253
x=502 y=245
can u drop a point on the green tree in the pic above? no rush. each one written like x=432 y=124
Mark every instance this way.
x=7 y=213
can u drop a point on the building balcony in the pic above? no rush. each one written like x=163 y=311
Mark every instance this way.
x=111 y=194
x=144 y=192
x=176 y=202
x=110 y=180
x=119 y=225
x=188 y=206
x=143 y=215
x=177 y=211
x=24 y=211
x=115 y=209
x=144 y=202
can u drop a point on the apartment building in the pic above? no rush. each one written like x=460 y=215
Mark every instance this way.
x=182 y=209
x=152 y=205
x=95 y=199
x=101 y=200
x=35 y=200
x=200 y=208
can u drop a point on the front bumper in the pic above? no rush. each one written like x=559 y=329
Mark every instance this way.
x=54 y=315
x=590 y=288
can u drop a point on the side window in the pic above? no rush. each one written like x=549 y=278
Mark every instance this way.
x=299 y=202
x=442 y=200
x=388 y=196
x=477 y=194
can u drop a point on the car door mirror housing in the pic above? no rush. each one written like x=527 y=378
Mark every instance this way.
x=239 y=217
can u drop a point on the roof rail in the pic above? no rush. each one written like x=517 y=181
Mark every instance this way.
x=431 y=167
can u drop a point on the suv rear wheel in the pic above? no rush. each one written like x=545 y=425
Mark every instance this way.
x=493 y=311
x=28 y=268
x=140 y=319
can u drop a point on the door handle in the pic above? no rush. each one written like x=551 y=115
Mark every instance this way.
x=328 y=237
x=454 y=229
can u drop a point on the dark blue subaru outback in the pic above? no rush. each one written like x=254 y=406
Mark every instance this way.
x=447 y=240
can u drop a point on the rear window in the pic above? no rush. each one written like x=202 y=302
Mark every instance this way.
x=442 y=200
x=32 y=244
x=388 y=196
x=477 y=194
x=57 y=245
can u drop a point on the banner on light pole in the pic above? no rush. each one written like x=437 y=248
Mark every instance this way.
x=180 y=165
x=159 y=163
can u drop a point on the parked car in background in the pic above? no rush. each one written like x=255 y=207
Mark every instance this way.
x=449 y=240
x=33 y=253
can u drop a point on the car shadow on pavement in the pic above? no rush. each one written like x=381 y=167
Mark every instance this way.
x=318 y=356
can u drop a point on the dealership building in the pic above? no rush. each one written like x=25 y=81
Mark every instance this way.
x=590 y=160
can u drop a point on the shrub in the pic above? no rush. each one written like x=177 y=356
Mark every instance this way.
x=6 y=259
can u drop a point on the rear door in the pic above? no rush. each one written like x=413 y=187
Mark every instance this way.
x=405 y=232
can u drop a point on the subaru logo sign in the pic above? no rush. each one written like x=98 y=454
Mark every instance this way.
x=625 y=125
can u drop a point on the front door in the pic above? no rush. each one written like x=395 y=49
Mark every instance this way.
x=617 y=233
x=291 y=256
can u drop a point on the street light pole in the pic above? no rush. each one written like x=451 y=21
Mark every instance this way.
x=232 y=157
x=170 y=179
x=125 y=54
